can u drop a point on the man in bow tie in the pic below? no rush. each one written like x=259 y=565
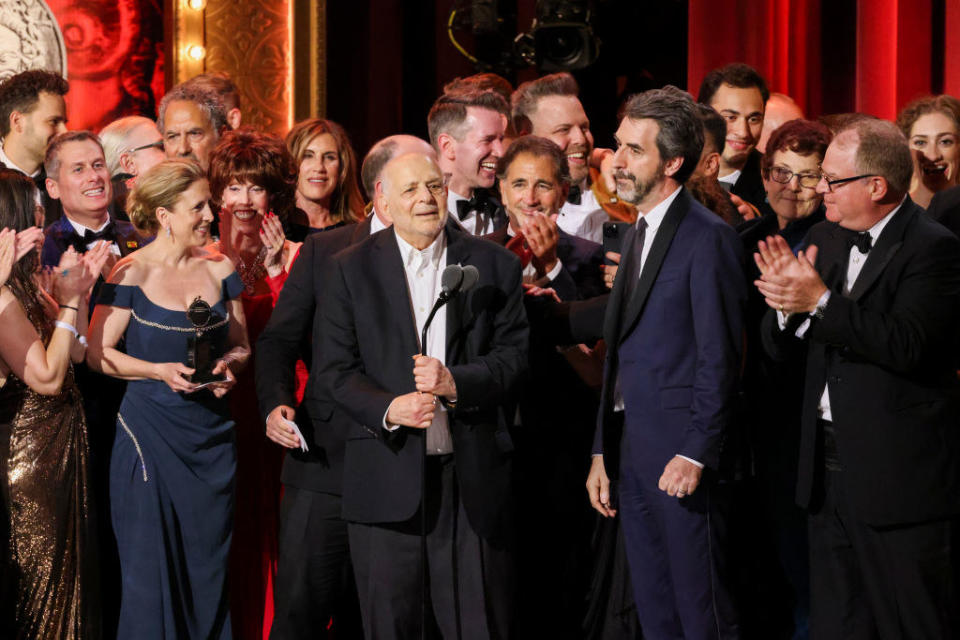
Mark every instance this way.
x=875 y=301
x=550 y=107
x=77 y=176
x=467 y=128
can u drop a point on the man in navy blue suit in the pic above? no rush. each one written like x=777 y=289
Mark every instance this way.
x=673 y=329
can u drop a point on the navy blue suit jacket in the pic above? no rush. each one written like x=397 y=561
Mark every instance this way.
x=60 y=235
x=676 y=344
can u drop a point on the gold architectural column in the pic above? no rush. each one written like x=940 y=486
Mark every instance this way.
x=274 y=50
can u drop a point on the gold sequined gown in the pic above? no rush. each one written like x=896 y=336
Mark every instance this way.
x=49 y=587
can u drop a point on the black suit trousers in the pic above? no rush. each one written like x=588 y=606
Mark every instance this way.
x=470 y=585
x=879 y=583
x=314 y=578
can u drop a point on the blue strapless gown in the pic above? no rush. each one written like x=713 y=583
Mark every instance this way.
x=171 y=483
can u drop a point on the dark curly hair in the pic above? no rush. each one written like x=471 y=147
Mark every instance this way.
x=803 y=137
x=259 y=158
x=22 y=93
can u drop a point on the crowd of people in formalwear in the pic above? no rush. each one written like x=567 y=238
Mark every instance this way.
x=238 y=399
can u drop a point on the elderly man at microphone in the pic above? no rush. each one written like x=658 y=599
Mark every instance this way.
x=430 y=452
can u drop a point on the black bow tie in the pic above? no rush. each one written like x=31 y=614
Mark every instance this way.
x=480 y=202
x=861 y=240
x=574 y=195
x=81 y=242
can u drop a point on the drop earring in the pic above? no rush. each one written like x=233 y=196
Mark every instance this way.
x=168 y=231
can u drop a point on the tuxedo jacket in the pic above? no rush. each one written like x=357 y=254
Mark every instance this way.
x=675 y=345
x=367 y=340
x=749 y=185
x=887 y=350
x=60 y=235
x=581 y=275
x=287 y=338
x=945 y=208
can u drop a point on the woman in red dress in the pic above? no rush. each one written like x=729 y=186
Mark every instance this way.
x=252 y=181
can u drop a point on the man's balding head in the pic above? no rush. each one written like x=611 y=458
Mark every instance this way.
x=385 y=150
x=413 y=196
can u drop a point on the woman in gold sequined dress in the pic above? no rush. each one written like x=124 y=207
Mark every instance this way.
x=48 y=562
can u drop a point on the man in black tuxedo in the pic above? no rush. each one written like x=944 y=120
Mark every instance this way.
x=430 y=426
x=314 y=580
x=738 y=93
x=875 y=300
x=32 y=112
x=467 y=129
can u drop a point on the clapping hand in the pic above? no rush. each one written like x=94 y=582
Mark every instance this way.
x=273 y=239
x=28 y=240
x=8 y=240
x=789 y=283
x=77 y=273
x=540 y=232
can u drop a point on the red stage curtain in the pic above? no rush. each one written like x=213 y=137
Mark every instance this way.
x=780 y=38
x=893 y=48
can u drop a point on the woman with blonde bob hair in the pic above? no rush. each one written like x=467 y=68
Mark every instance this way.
x=175 y=305
x=328 y=195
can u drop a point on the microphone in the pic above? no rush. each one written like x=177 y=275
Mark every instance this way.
x=453 y=281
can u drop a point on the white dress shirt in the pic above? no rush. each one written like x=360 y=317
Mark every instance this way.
x=423 y=269
x=375 y=223
x=80 y=229
x=854 y=267
x=730 y=180
x=469 y=223
x=584 y=220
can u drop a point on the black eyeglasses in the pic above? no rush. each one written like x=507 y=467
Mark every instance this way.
x=153 y=145
x=784 y=176
x=843 y=181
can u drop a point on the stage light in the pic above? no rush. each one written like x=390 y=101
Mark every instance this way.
x=563 y=37
x=196 y=52
x=197 y=5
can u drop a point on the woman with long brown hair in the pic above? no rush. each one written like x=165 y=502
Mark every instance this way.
x=328 y=195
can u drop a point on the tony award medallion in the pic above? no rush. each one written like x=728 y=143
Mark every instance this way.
x=202 y=350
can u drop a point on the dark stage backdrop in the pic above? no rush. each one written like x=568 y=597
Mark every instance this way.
x=388 y=59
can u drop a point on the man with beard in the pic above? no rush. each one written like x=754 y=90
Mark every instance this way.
x=739 y=94
x=673 y=328
x=467 y=130
x=191 y=120
x=32 y=111
x=550 y=107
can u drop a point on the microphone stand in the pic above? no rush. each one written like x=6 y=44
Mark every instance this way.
x=444 y=297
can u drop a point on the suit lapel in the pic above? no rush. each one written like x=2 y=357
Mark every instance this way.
x=611 y=319
x=127 y=240
x=890 y=240
x=457 y=253
x=362 y=229
x=388 y=265
x=661 y=244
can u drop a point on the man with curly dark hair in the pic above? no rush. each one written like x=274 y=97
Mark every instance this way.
x=32 y=111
